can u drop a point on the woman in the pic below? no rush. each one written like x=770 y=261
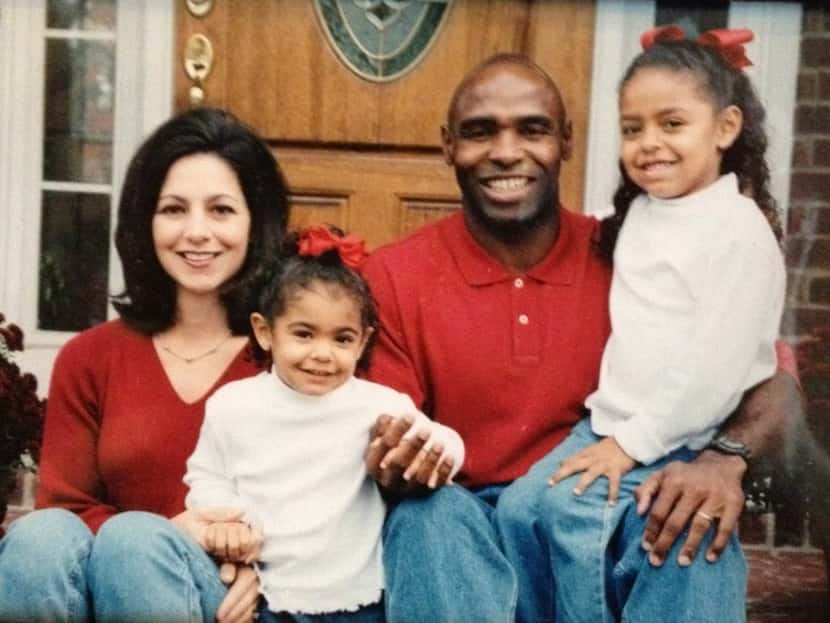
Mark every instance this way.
x=203 y=205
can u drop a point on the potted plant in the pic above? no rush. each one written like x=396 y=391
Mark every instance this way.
x=21 y=415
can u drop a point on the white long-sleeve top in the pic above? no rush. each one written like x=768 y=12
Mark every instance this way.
x=294 y=464
x=696 y=301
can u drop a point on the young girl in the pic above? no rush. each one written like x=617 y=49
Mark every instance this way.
x=696 y=300
x=286 y=448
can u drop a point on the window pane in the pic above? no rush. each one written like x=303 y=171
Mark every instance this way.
x=78 y=115
x=693 y=19
x=81 y=14
x=74 y=258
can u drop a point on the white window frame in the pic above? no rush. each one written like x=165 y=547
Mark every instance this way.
x=774 y=52
x=143 y=99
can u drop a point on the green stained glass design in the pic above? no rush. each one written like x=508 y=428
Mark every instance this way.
x=380 y=40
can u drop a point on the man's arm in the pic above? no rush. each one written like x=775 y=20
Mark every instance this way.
x=685 y=494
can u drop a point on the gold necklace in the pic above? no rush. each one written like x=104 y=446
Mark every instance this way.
x=195 y=358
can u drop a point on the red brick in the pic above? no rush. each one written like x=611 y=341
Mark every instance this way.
x=795 y=218
x=812 y=18
x=824 y=85
x=804 y=321
x=810 y=186
x=808 y=220
x=812 y=119
x=820 y=291
x=821 y=152
x=821 y=221
x=753 y=528
x=807 y=85
x=815 y=51
x=802 y=153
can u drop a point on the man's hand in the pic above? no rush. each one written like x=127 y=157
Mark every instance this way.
x=240 y=602
x=397 y=462
x=699 y=494
x=604 y=458
x=429 y=467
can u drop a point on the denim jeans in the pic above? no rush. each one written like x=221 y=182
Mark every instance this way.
x=599 y=571
x=491 y=556
x=366 y=614
x=138 y=568
x=43 y=569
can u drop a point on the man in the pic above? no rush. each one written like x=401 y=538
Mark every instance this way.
x=494 y=321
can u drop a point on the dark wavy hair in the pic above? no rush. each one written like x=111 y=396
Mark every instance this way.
x=148 y=302
x=281 y=280
x=726 y=87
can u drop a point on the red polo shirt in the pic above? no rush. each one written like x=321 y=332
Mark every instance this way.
x=507 y=360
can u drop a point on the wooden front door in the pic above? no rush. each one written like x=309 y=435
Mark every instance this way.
x=362 y=155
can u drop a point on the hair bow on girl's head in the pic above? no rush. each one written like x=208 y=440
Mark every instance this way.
x=318 y=239
x=727 y=41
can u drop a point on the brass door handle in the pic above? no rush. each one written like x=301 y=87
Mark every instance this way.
x=199 y=8
x=198 y=61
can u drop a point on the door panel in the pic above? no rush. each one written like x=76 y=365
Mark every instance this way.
x=382 y=196
x=368 y=154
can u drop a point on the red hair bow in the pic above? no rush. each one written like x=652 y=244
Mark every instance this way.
x=729 y=42
x=318 y=239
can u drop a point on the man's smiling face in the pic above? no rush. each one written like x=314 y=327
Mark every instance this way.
x=506 y=138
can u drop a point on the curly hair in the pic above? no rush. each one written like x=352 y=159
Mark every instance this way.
x=282 y=278
x=725 y=86
x=148 y=302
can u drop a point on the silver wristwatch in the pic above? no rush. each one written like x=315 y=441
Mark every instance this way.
x=725 y=445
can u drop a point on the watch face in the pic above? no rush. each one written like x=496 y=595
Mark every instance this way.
x=730 y=446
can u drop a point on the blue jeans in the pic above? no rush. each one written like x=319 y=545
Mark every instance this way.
x=599 y=571
x=491 y=556
x=366 y=614
x=138 y=568
x=43 y=569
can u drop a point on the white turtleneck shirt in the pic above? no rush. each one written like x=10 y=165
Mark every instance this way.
x=294 y=464
x=696 y=300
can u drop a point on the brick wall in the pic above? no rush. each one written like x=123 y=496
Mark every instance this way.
x=807 y=318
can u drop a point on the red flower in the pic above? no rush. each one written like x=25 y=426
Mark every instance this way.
x=21 y=411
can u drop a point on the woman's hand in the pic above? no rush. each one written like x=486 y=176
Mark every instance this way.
x=233 y=541
x=195 y=522
x=240 y=602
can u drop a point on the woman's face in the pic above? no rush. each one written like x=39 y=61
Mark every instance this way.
x=201 y=224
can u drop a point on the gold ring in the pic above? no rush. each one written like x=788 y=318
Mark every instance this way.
x=703 y=515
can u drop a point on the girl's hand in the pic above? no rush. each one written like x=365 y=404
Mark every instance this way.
x=233 y=541
x=241 y=600
x=604 y=458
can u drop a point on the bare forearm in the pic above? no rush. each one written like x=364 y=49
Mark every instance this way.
x=766 y=417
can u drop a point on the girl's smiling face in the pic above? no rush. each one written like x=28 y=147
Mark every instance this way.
x=201 y=224
x=317 y=340
x=673 y=136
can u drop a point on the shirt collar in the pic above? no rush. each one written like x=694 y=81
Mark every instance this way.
x=479 y=268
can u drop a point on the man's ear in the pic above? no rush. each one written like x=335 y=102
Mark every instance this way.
x=262 y=331
x=567 y=140
x=730 y=124
x=447 y=144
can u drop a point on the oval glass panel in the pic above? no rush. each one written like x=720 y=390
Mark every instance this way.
x=380 y=40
